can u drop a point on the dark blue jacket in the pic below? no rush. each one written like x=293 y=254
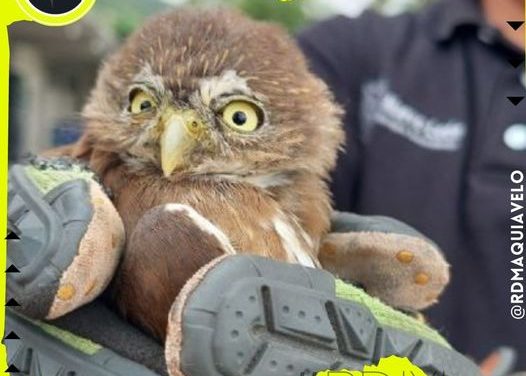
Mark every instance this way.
x=432 y=140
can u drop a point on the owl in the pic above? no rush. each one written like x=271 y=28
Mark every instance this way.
x=214 y=138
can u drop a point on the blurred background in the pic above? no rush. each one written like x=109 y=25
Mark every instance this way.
x=53 y=69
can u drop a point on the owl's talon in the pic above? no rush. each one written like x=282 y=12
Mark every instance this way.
x=71 y=238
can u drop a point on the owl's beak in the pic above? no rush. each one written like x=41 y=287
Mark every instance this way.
x=181 y=129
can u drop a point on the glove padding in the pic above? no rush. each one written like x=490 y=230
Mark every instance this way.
x=388 y=258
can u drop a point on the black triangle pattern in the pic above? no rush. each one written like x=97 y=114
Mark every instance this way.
x=515 y=100
x=515 y=24
x=12 y=368
x=12 y=269
x=12 y=335
x=12 y=303
x=12 y=236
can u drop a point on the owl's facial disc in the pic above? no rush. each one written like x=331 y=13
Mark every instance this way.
x=181 y=130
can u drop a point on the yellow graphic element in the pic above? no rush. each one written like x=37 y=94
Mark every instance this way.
x=4 y=81
x=391 y=366
x=12 y=11
x=56 y=19
x=23 y=10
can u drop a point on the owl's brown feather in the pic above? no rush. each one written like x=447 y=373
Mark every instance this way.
x=267 y=191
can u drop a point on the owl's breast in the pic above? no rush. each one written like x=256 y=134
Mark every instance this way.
x=250 y=217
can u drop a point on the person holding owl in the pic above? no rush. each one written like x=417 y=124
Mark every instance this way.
x=202 y=215
x=433 y=137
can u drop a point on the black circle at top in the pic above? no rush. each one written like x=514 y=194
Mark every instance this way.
x=55 y=6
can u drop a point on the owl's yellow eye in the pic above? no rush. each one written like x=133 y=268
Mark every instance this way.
x=141 y=102
x=242 y=116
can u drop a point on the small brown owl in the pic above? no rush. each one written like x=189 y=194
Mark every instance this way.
x=214 y=138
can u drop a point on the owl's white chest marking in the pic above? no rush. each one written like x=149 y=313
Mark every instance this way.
x=296 y=251
x=294 y=240
x=204 y=224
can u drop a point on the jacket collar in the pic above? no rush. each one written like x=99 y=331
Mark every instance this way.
x=446 y=17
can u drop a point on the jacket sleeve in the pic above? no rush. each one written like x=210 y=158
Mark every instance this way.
x=335 y=54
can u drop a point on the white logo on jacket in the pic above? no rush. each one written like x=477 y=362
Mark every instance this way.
x=382 y=107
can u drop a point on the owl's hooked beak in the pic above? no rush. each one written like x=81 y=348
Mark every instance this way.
x=181 y=130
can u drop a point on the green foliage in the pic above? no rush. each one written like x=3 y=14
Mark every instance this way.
x=125 y=15
x=288 y=13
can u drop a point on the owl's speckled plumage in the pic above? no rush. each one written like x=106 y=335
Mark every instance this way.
x=266 y=190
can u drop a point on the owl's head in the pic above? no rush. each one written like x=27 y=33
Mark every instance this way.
x=212 y=92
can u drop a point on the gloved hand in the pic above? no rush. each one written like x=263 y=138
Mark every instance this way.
x=390 y=259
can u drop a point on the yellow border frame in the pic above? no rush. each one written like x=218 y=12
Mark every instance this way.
x=4 y=98
x=19 y=10
x=13 y=11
